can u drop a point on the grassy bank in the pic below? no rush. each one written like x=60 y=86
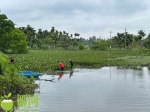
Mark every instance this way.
x=46 y=60
x=10 y=81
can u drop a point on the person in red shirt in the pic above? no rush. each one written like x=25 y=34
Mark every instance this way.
x=61 y=66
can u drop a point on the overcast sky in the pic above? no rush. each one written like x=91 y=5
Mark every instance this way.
x=86 y=17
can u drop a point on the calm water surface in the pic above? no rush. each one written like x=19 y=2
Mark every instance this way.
x=96 y=90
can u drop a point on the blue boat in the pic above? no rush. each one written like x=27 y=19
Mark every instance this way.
x=29 y=73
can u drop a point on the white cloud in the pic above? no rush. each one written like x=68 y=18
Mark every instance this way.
x=86 y=17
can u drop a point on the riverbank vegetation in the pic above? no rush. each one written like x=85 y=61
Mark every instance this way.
x=10 y=81
x=46 y=60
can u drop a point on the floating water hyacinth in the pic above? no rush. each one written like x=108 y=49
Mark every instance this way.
x=47 y=60
x=27 y=100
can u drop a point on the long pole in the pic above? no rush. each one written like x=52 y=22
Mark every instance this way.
x=125 y=38
x=110 y=40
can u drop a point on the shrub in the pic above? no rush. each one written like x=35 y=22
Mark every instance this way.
x=3 y=62
x=10 y=81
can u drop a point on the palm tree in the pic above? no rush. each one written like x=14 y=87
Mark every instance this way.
x=141 y=34
x=30 y=34
x=64 y=32
x=76 y=34
x=67 y=34
x=53 y=30
x=39 y=33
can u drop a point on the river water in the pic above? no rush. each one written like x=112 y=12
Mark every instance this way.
x=107 y=89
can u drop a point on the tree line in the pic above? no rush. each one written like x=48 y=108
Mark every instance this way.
x=52 y=39
x=130 y=41
x=20 y=40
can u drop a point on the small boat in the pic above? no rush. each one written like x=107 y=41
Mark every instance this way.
x=29 y=73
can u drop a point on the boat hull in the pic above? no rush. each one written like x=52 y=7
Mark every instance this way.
x=29 y=73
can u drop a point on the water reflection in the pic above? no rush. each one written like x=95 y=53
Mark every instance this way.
x=99 y=90
x=61 y=74
x=71 y=74
x=110 y=72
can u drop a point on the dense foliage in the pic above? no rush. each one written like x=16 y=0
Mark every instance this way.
x=61 y=40
x=10 y=81
x=100 y=45
x=3 y=62
x=6 y=25
x=46 y=60
x=12 y=40
x=127 y=40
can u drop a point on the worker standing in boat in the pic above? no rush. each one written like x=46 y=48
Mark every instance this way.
x=61 y=66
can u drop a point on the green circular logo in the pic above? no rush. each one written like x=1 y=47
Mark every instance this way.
x=7 y=104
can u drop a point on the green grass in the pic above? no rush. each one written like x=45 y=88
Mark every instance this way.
x=46 y=60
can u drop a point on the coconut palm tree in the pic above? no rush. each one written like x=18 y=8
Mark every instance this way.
x=141 y=34
x=30 y=34
x=64 y=32
x=53 y=30
x=76 y=34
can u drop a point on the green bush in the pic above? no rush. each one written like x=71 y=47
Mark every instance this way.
x=81 y=47
x=16 y=44
x=3 y=62
x=10 y=81
x=100 y=45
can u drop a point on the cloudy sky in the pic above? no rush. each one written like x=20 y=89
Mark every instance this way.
x=86 y=17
